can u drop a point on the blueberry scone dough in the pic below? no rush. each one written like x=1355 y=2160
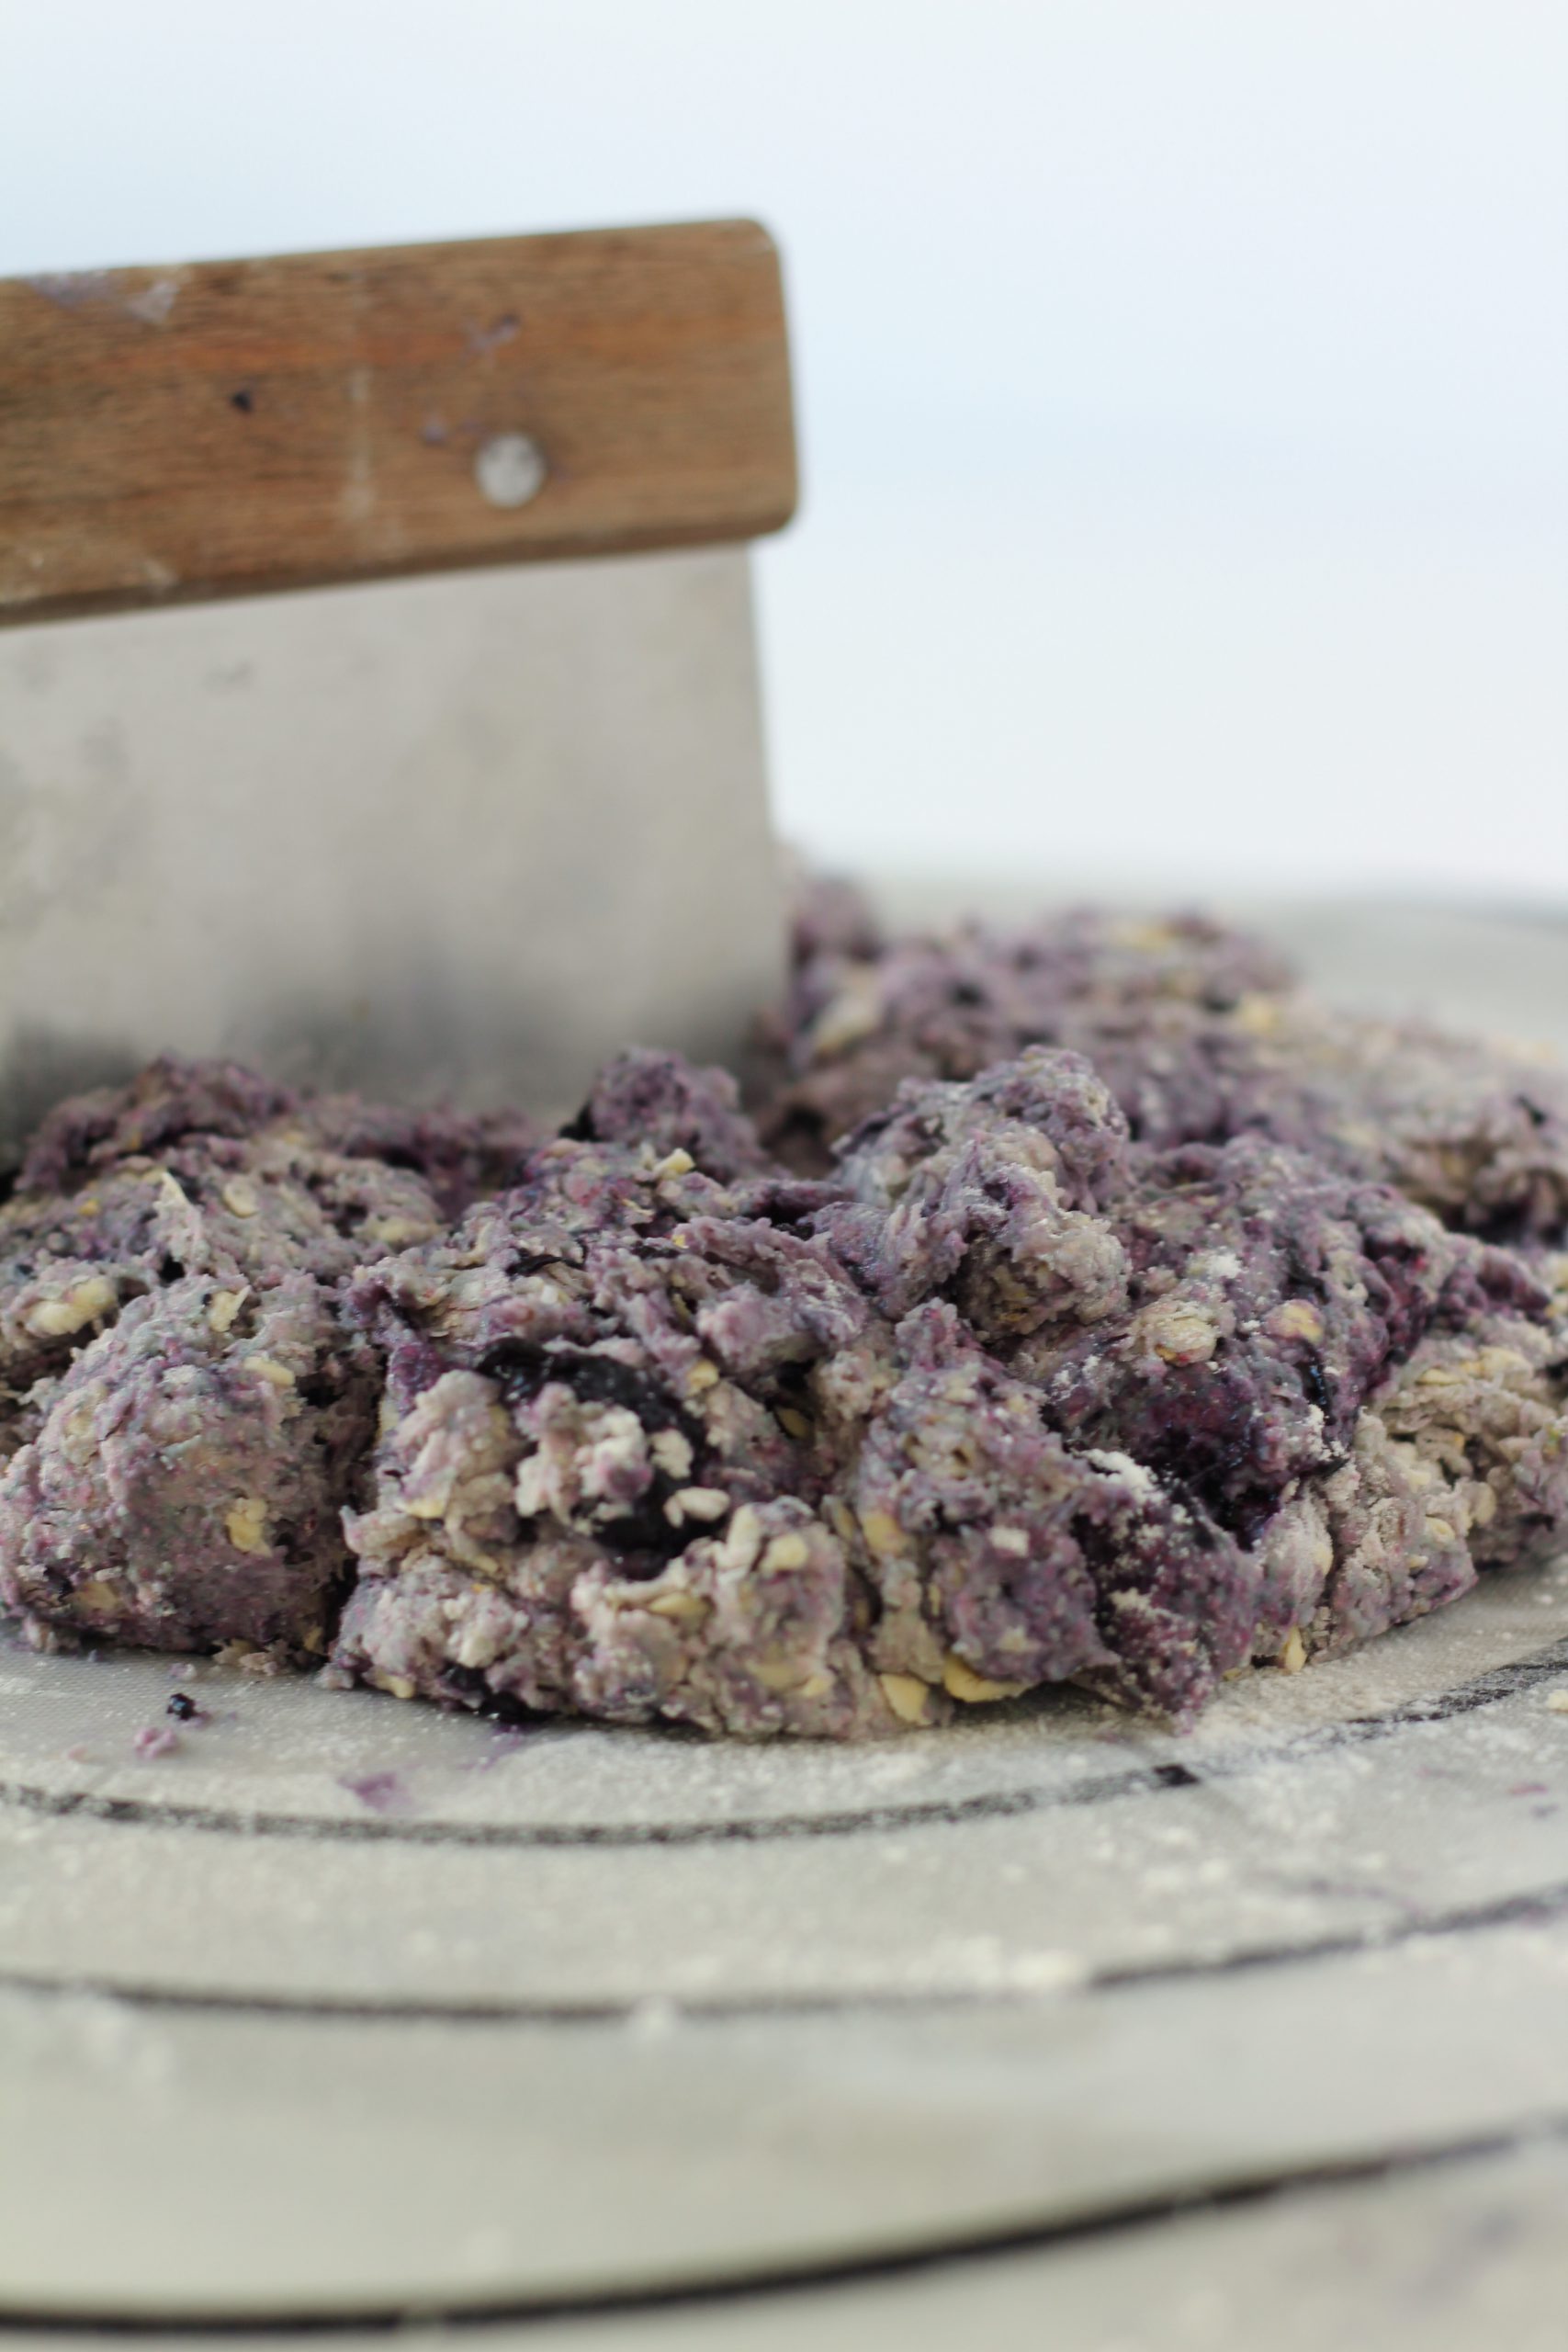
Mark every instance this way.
x=597 y=1484
x=1012 y=1399
x=185 y=1414
x=458 y=1158
x=1121 y=1318
x=1368 y=1405
x=1199 y=1031
x=863 y=1012
x=649 y=1448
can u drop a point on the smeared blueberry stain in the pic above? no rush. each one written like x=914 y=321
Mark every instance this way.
x=381 y=1792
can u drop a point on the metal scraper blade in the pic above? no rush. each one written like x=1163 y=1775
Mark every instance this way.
x=455 y=838
x=437 y=831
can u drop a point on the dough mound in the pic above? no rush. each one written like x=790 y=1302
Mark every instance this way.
x=1199 y=1033
x=184 y=1412
x=1085 y=1305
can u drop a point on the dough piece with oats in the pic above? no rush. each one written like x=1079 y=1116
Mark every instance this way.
x=185 y=1413
x=651 y=1449
x=1200 y=1035
x=1369 y=1406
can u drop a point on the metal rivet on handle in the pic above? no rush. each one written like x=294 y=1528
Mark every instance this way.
x=509 y=469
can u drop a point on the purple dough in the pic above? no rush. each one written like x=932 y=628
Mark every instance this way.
x=1199 y=1036
x=615 y=1398
x=185 y=1415
x=1148 y=1320
x=988 y=1193
x=162 y=1104
x=597 y=1487
x=461 y=1159
x=185 y=1484
x=658 y=1099
x=171 y=1100
x=1261 y=1332
x=1040 y=1404
x=862 y=1015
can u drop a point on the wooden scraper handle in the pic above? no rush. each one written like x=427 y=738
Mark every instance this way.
x=228 y=427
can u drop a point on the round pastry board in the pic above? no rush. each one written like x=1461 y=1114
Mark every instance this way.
x=344 y=2013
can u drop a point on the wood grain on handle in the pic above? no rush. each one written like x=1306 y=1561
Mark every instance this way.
x=228 y=427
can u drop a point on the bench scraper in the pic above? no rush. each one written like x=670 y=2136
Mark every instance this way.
x=483 y=799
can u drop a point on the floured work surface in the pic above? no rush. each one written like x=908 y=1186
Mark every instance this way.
x=340 y=2008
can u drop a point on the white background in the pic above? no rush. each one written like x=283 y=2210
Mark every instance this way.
x=1183 y=383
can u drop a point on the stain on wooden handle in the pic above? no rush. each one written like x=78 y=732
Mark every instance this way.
x=229 y=427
